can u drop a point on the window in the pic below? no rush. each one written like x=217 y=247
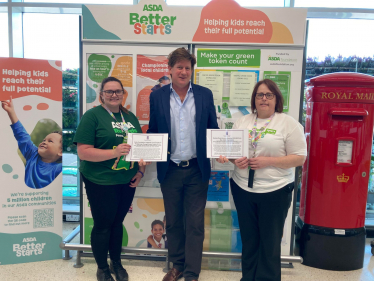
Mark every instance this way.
x=4 y=46
x=345 y=37
x=56 y=37
x=52 y=36
x=363 y=4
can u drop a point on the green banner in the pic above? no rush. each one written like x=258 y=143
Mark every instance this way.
x=222 y=58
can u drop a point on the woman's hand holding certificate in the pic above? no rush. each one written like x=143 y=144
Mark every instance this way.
x=232 y=144
x=147 y=147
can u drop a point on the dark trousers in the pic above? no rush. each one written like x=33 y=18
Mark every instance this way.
x=185 y=198
x=109 y=206
x=261 y=220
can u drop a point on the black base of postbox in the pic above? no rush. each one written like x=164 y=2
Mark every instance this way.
x=329 y=248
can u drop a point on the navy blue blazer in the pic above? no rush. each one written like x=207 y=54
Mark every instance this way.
x=206 y=118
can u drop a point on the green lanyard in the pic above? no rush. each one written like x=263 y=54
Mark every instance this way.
x=123 y=126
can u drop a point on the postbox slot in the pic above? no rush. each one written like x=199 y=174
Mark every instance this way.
x=347 y=118
x=348 y=114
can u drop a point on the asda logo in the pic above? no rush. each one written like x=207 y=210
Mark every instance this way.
x=152 y=23
x=274 y=58
x=151 y=8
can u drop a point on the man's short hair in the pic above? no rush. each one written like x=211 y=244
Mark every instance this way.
x=179 y=55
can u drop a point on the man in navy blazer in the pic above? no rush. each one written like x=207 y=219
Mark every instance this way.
x=185 y=111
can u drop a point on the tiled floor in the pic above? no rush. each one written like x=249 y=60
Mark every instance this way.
x=150 y=270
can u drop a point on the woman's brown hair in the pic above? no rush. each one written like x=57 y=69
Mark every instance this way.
x=274 y=89
x=112 y=79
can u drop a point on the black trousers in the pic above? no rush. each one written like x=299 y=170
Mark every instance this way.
x=109 y=206
x=185 y=196
x=261 y=221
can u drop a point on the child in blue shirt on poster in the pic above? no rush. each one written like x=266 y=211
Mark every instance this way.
x=43 y=163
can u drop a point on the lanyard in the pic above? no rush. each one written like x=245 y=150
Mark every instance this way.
x=255 y=136
x=124 y=127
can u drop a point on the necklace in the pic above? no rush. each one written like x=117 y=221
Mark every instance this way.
x=256 y=136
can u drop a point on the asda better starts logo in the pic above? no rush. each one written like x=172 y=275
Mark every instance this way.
x=152 y=23
x=27 y=248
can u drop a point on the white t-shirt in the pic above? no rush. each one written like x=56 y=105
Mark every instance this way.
x=283 y=136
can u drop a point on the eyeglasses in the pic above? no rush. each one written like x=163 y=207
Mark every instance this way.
x=109 y=93
x=260 y=96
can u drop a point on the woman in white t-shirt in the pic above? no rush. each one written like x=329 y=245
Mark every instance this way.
x=263 y=196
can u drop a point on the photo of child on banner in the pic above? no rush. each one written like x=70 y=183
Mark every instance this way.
x=158 y=238
x=164 y=80
x=43 y=163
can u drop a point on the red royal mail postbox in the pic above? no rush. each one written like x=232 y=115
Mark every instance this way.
x=339 y=133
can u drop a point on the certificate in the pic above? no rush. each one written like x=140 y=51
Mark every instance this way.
x=149 y=147
x=232 y=144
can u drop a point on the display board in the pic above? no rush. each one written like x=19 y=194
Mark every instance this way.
x=31 y=160
x=235 y=47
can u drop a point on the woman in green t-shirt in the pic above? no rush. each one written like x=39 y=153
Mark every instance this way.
x=109 y=180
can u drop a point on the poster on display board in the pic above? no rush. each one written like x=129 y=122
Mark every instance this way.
x=220 y=21
x=212 y=80
x=152 y=73
x=234 y=89
x=276 y=64
x=283 y=81
x=218 y=189
x=31 y=160
x=100 y=66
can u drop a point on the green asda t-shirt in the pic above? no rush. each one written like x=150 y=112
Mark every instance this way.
x=98 y=128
